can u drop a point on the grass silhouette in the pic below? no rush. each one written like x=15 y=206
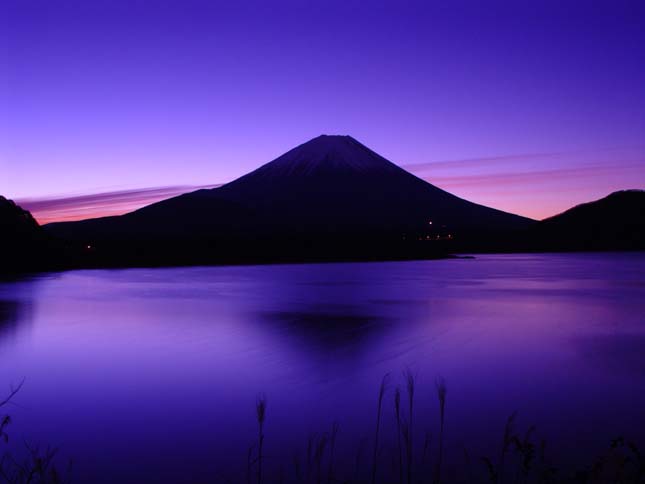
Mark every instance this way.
x=440 y=385
x=260 y=407
x=381 y=394
x=521 y=460
x=409 y=380
x=397 y=413
x=36 y=466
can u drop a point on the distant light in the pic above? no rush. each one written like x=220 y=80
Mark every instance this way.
x=430 y=223
x=89 y=246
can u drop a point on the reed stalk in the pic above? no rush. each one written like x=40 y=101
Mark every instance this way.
x=440 y=385
x=397 y=412
x=508 y=439
x=332 y=447
x=318 y=456
x=260 y=407
x=381 y=393
x=410 y=385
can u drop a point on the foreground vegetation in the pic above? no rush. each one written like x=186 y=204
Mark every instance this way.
x=519 y=459
x=35 y=465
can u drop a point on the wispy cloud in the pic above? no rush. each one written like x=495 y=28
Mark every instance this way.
x=79 y=207
x=517 y=161
x=538 y=185
x=500 y=180
x=486 y=161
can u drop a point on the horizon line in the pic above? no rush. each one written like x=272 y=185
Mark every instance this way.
x=483 y=188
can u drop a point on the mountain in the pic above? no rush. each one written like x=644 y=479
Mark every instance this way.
x=616 y=222
x=15 y=222
x=21 y=238
x=328 y=196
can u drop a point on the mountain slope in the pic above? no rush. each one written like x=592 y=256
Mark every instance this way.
x=331 y=188
x=21 y=238
x=615 y=222
x=335 y=183
x=15 y=222
x=327 y=185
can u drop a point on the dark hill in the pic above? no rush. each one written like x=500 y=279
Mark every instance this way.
x=331 y=197
x=15 y=222
x=616 y=222
x=21 y=239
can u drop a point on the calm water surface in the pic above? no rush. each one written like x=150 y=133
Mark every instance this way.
x=152 y=374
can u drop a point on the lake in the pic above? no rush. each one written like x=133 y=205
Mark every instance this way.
x=152 y=375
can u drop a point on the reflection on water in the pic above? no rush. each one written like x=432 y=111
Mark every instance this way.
x=15 y=316
x=158 y=369
x=9 y=316
x=321 y=329
x=615 y=353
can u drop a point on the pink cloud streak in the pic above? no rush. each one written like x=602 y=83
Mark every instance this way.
x=79 y=207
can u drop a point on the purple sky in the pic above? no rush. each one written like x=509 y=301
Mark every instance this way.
x=530 y=107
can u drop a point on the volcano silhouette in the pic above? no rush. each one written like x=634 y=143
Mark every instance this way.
x=329 y=188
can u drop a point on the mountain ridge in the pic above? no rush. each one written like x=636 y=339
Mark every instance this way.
x=22 y=241
x=330 y=184
x=616 y=221
x=329 y=199
x=339 y=151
